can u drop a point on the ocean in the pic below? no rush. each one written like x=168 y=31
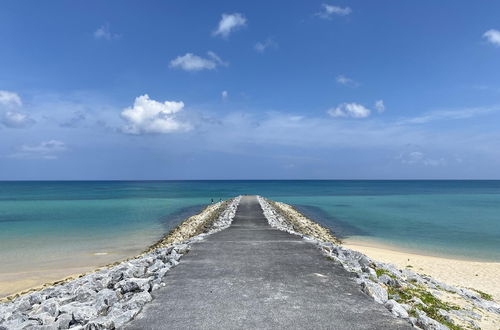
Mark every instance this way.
x=45 y=225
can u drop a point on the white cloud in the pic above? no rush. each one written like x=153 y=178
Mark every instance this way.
x=44 y=150
x=419 y=158
x=105 y=33
x=353 y=110
x=10 y=99
x=329 y=10
x=380 y=106
x=269 y=43
x=346 y=81
x=493 y=37
x=229 y=23
x=449 y=114
x=191 y=62
x=224 y=95
x=13 y=118
x=150 y=116
x=16 y=119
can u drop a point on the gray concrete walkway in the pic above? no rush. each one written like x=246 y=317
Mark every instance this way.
x=251 y=276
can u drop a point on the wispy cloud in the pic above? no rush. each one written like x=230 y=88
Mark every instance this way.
x=104 y=32
x=346 y=81
x=352 y=110
x=269 y=43
x=191 y=62
x=229 y=23
x=419 y=158
x=44 y=150
x=14 y=119
x=449 y=114
x=380 y=106
x=493 y=37
x=76 y=119
x=327 y=11
x=225 y=95
x=150 y=116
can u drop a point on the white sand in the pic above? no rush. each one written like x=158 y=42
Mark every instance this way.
x=479 y=275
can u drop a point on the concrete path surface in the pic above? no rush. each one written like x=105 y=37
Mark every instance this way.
x=251 y=276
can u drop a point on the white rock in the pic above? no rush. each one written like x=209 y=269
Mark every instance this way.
x=134 y=285
x=104 y=299
x=157 y=265
x=50 y=306
x=120 y=317
x=84 y=313
x=374 y=290
x=396 y=309
x=63 y=321
x=138 y=300
x=427 y=323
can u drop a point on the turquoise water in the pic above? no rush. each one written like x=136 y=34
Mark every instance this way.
x=44 y=224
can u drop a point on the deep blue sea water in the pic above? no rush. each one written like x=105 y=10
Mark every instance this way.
x=52 y=223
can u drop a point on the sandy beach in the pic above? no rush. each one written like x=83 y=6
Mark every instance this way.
x=465 y=273
x=38 y=274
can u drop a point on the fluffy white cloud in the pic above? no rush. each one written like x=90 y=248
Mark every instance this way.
x=44 y=150
x=329 y=10
x=105 y=33
x=229 y=23
x=269 y=43
x=353 y=110
x=10 y=99
x=380 y=106
x=150 y=116
x=493 y=37
x=346 y=81
x=16 y=119
x=191 y=62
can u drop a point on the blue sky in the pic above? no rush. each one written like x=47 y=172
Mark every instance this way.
x=249 y=90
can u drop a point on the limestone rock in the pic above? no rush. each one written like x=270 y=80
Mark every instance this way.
x=374 y=290
x=396 y=309
x=426 y=323
x=64 y=321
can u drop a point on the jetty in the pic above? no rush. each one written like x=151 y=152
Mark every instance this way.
x=251 y=275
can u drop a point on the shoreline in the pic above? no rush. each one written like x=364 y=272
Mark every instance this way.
x=371 y=242
x=480 y=275
x=45 y=278
x=111 y=296
x=20 y=282
x=425 y=301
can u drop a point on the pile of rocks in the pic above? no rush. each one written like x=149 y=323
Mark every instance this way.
x=111 y=297
x=284 y=217
x=422 y=300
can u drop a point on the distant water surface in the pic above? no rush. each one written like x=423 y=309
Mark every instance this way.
x=50 y=224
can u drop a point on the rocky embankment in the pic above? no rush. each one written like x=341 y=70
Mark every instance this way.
x=111 y=297
x=420 y=299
